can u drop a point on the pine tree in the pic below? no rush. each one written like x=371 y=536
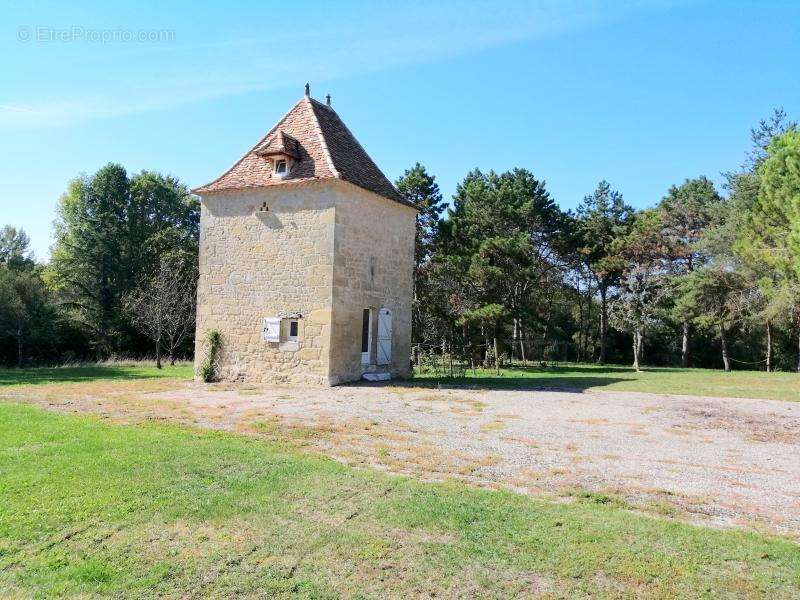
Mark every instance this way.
x=602 y=218
x=420 y=188
x=503 y=238
x=645 y=253
x=688 y=210
x=716 y=298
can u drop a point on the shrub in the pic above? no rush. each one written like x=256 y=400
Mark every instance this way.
x=208 y=370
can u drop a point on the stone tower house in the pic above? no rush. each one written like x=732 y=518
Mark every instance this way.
x=306 y=258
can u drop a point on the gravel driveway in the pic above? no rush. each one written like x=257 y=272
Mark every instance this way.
x=719 y=461
x=714 y=460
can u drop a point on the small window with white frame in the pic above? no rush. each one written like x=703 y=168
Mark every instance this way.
x=281 y=168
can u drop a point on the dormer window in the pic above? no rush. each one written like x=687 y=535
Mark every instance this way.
x=282 y=151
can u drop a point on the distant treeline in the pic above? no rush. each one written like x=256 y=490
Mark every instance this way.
x=704 y=277
x=116 y=239
x=701 y=278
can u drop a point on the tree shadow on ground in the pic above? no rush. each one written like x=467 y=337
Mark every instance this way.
x=13 y=377
x=592 y=369
x=557 y=378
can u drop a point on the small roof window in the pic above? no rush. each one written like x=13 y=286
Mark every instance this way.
x=281 y=167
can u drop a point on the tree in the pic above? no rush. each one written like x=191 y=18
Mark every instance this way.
x=737 y=236
x=27 y=314
x=762 y=135
x=688 y=211
x=770 y=305
x=730 y=236
x=489 y=317
x=581 y=281
x=644 y=251
x=774 y=232
x=769 y=236
x=88 y=260
x=420 y=188
x=15 y=248
x=179 y=327
x=602 y=218
x=163 y=306
x=503 y=237
x=111 y=232
x=716 y=299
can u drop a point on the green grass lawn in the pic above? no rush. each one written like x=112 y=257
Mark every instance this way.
x=92 y=508
x=84 y=373
x=577 y=377
x=696 y=382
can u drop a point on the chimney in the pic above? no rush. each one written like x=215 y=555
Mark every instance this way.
x=328 y=99
x=308 y=90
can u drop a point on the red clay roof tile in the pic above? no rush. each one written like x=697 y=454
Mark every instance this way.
x=324 y=148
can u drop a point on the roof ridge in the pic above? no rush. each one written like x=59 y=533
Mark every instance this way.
x=253 y=149
x=363 y=150
x=318 y=103
x=323 y=142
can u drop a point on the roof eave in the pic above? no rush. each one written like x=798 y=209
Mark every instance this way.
x=204 y=191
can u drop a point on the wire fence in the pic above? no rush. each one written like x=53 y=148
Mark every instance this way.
x=460 y=360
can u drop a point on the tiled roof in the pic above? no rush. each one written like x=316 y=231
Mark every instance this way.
x=323 y=148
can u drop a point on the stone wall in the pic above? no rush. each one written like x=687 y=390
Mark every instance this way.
x=326 y=250
x=266 y=264
x=374 y=264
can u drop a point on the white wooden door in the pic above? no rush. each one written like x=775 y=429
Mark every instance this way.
x=384 y=336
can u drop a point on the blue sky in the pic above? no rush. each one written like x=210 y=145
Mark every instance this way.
x=643 y=94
